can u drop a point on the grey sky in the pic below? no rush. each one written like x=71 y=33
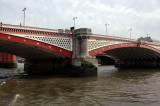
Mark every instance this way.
x=143 y=16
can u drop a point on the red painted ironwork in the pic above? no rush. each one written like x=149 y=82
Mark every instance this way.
x=13 y=57
x=7 y=57
x=110 y=47
x=34 y=43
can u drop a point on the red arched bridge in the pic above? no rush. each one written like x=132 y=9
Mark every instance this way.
x=57 y=47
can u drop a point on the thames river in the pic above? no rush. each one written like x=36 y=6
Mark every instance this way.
x=113 y=87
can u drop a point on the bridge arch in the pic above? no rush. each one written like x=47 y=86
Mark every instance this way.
x=129 y=52
x=29 y=48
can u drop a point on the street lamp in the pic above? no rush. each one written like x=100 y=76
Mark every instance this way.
x=106 y=27
x=1 y=24
x=74 y=19
x=130 y=32
x=24 y=16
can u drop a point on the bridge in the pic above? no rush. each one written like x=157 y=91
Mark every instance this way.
x=74 y=53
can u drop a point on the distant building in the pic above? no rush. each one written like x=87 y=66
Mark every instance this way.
x=149 y=39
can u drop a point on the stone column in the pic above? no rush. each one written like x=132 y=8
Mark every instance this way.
x=84 y=47
x=80 y=42
x=82 y=63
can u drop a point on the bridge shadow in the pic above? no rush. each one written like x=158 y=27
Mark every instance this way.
x=127 y=74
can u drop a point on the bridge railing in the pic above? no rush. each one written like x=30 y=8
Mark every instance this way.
x=114 y=38
x=20 y=27
x=150 y=43
x=126 y=39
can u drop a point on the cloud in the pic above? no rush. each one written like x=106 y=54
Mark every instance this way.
x=142 y=16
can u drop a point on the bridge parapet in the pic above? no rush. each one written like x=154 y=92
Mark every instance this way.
x=112 y=38
x=7 y=28
x=99 y=41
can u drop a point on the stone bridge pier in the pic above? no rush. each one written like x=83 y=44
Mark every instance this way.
x=82 y=63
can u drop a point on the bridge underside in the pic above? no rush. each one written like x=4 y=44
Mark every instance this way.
x=38 y=60
x=104 y=59
x=27 y=51
x=133 y=54
x=135 y=57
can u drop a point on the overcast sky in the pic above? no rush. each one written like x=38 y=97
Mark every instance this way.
x=143 y=16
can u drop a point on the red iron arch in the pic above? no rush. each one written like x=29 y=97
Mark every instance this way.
x=122 y=45
x=39 y=44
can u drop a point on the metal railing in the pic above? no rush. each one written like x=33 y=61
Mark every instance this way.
x=114 y=38
x=126 y=39
x=20 y=27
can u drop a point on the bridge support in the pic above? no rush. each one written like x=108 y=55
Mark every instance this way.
x=8 y=60
x=83 y=65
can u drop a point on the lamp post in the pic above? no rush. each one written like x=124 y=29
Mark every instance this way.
x=1 y=24
x=20 y=25
x=74 y=19
x=24 y=16
x=106 y=27
x=130 y=32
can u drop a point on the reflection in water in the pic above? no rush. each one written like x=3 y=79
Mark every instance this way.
x=13 y=102
x=112 y=87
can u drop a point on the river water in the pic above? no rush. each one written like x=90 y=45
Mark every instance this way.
x=113 y=87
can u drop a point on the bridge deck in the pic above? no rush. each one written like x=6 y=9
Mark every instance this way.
x=26 y=30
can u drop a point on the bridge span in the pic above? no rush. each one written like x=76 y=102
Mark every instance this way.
x=50 y=50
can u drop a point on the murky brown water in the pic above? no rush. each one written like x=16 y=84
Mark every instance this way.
x=112 y=87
